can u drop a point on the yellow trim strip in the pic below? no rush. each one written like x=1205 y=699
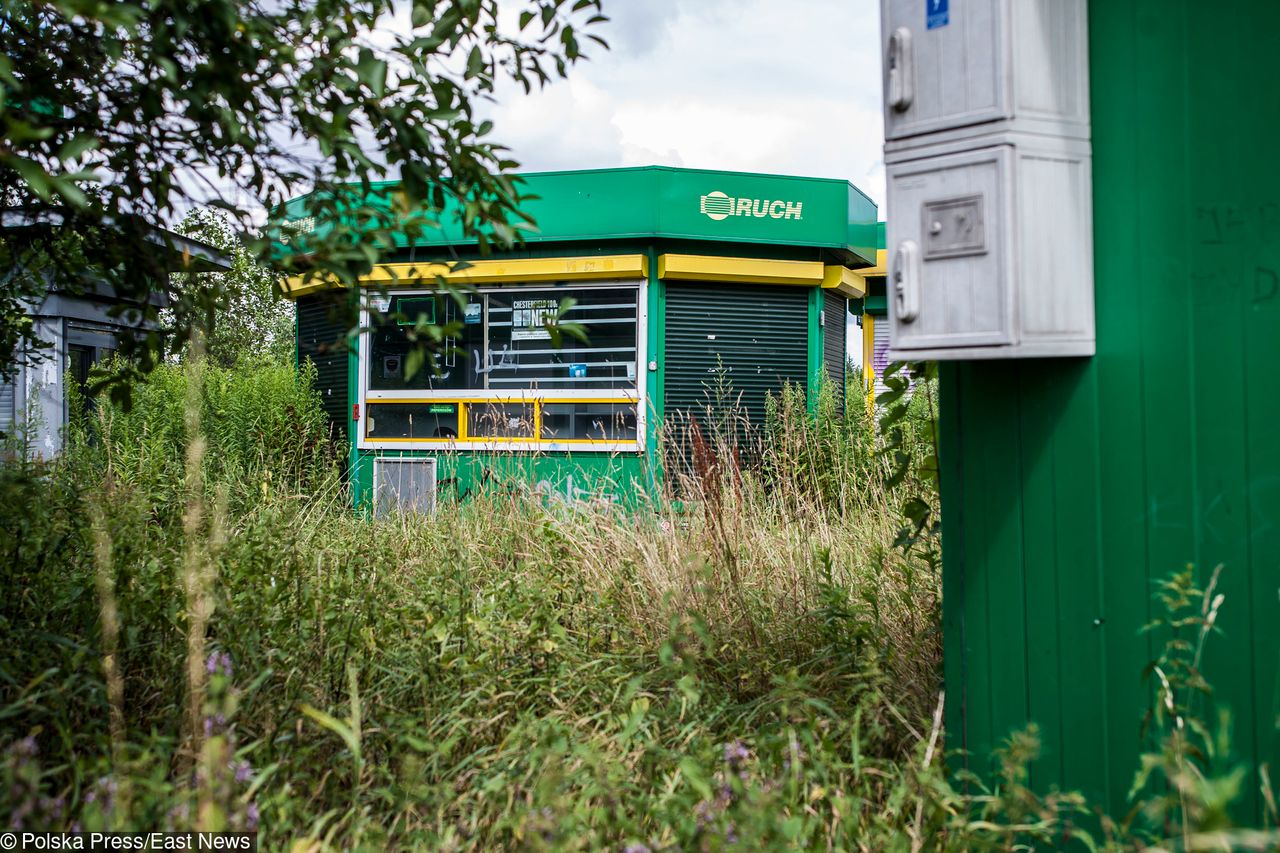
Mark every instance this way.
x=758 y=270
x=880 y=269
x=471 y=401
x=462 y=443
x=488 y=272
x=868 y=359
x=844 y=281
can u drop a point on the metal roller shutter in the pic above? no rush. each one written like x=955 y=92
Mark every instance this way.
x=880 y=352
x=835 y=323
x=754 y=337
x=6 y=406
x=320 y=340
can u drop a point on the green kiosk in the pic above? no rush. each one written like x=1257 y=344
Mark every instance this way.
x=679 y=278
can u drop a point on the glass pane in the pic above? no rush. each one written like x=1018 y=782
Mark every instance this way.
x=500 y=420
x=450 y=369
x=522 y=354
x=412 y=420
x=599 y=421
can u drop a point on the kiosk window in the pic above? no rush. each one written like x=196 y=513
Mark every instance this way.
x=521 y=353
x=594 y=421
x=412 y=420
x=500 y=420
x=391 y=341
x=501 y=341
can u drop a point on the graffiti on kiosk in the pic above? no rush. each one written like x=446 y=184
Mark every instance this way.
x=495 y=361
x=570 y=494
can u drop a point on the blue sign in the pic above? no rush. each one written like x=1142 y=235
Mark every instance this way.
x=937 y=13
x=577 y=371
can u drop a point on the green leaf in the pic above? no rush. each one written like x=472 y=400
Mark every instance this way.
x=76 y=146
x=692 y=772
x=475 y=63
x=333 y=724
x=37 y=178
x=71 y=193
x=413 y=362
x=372 y=72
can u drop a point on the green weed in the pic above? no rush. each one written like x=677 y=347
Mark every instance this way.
x=759 y=670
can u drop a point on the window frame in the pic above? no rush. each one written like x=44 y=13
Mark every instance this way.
x=533 y=397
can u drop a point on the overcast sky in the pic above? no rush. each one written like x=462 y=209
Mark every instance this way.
x=783 y=86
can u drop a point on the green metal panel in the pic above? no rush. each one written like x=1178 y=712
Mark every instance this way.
x=815 y=346
x=1071 y=486
x=656 y=335
x=667 y=203
x=758 y=335
x=835 y=324
x=621 y=479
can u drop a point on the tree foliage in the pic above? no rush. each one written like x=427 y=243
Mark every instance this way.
x=122 y=115
x=249 y=321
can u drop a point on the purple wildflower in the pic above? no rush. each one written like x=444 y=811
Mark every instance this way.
x=218 y=662
x=244 y=772
x=736 y=754
x=251 y=815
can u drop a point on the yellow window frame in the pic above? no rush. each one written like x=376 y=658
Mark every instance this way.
x=464 y=403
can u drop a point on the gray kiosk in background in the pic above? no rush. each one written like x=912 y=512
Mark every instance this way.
x=81 y=327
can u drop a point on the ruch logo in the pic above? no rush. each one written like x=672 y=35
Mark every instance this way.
x=716 y=205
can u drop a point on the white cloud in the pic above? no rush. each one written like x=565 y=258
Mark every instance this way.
x=784 y=86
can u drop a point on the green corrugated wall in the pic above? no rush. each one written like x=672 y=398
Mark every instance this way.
x=1071 y=486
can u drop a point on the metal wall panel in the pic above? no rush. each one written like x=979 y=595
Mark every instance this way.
x=319 y=340
x=404 y=486
x=1070 y=487
x=880 y=352
x=753 y=338
x=6 y=406
x=835 y=323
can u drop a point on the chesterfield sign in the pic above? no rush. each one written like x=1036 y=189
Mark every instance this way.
x=717 y=205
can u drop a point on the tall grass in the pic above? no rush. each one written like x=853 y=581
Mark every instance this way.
x=759 y=668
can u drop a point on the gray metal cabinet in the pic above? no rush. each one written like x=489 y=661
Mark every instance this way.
x=955 y=64
x=989 y=189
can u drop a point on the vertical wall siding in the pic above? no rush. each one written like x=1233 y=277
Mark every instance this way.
x=7 y=397
x=319 y=340
x=1071 y=486
x=835 y=357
